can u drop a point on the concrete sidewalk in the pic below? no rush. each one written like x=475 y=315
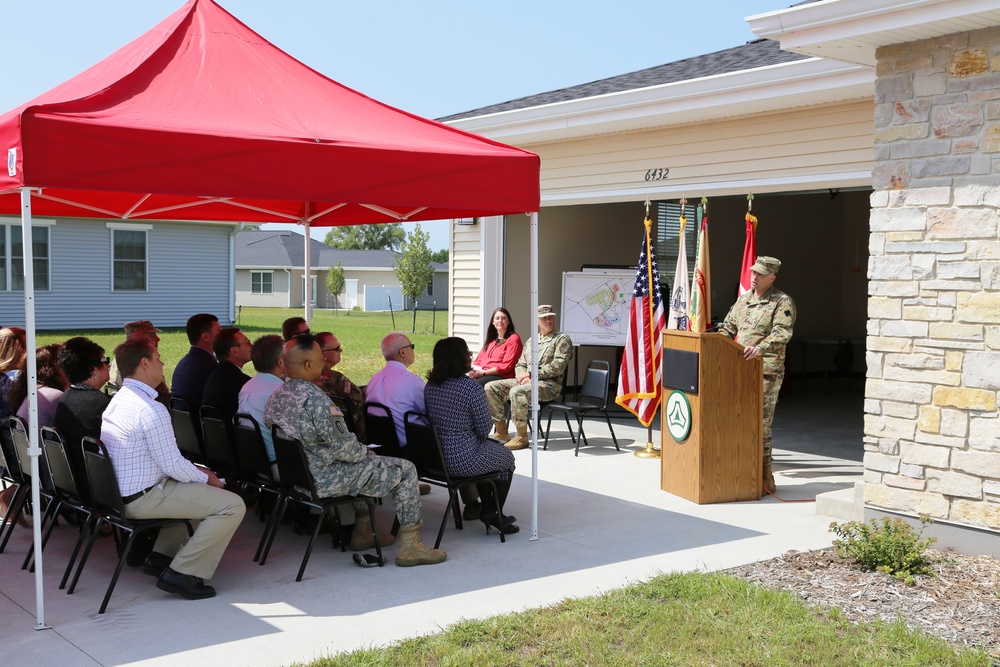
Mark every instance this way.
x=603 y=523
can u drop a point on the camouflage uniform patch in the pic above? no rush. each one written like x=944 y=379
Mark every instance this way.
x=339 y=463
x=554 y=353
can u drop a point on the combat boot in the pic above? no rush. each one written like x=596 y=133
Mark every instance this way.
x=501 y=431
x=363 y=538
x=519 y=441
x=768 y=478
x=413 y=551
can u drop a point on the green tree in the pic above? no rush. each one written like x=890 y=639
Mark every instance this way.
x=413 y=267
x=335 y=281
x=389 y=236
x=440 y=256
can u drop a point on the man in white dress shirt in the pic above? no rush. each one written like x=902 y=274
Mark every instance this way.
x=396 y=387
x=156 y=482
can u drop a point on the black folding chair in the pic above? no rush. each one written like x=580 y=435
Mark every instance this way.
x=109 y=508
x=12 y=476
x=593 y=398
x=425 y=451
x=256 y=468
x=380 y=428
x=293 y=466
x=217 y=442
x=19 y=434
x=187 y=430
x=69 y=491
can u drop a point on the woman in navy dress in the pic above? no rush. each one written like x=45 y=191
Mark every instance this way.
x=457 y=407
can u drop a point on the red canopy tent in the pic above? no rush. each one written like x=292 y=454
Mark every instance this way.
x=202 y=119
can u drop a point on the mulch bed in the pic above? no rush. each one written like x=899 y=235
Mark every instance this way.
x=960 y=604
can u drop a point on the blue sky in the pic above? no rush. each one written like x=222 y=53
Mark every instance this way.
x=432 y=58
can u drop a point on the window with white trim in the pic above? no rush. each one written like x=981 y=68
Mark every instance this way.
x=12 y=257
x=668 y=227
x=261 y=282
x=128 y=247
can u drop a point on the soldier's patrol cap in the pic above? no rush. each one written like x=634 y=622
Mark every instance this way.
x=140 y=326
x=546 y=311
x=766 y=266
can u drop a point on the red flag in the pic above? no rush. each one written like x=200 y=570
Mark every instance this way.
x=701 y=296
x=749 y=254
x=641 y=371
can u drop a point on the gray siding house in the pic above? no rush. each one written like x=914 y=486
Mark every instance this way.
x=270 y=266
x=97 y=274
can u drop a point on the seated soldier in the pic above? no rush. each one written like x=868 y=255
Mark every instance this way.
x=339 y=463
x=554 y=352
x=337 y=385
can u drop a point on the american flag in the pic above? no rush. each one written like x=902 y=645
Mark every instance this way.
x=641 y=371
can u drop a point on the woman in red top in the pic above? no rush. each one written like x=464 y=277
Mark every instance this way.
x=500 y=352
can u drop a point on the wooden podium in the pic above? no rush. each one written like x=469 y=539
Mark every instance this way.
x=720 y=460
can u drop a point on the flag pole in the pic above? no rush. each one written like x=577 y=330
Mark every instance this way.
x=649 y=452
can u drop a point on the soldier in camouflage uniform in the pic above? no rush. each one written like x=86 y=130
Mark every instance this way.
x=554 y=352
x=337 y=385
x=339 y=463
x=761 y=320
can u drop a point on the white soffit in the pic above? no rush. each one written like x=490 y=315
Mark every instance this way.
x=799 y=83
x=851 y=30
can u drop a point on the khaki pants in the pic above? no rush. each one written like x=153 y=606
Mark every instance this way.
x=215 y=514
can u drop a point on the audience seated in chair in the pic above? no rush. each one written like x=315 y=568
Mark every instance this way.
x=339 y=463
x=139 y=328
x=194 y=367
x=337 y=385
x=268 y=360
x=157 y=482
x=500 y=352
x=457 y=407
x=222 y=388
x=52 y=383
x=554 y=352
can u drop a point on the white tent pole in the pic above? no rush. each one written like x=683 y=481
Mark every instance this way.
x=34 y=451
x=307 y=288
x=534 y=379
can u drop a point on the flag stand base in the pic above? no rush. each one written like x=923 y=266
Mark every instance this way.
x=648 y=453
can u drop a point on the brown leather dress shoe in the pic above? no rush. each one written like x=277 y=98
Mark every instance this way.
x=185 y=585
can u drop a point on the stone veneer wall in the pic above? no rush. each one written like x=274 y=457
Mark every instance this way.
x=932 y=435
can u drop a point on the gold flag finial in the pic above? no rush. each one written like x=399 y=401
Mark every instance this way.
x=749 y=202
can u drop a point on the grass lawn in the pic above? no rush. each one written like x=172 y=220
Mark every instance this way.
x=359 y=334
x=691 y=619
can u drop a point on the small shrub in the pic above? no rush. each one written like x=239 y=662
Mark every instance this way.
x=891 y=546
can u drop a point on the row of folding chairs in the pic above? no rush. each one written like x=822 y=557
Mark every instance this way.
x=237 y=447
x=423 y=449
x=81 y=478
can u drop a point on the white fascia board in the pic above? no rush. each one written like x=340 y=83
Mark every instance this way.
x=791 y=183
x=722 y=95
x=808 y=28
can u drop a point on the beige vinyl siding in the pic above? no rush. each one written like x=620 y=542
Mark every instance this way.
x=278 y=298
x=464 y=284
x=781 y=146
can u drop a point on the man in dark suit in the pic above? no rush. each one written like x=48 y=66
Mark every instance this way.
x=222 y=388
x=193 y=370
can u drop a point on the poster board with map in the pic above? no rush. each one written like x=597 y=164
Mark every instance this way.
x=595 y=306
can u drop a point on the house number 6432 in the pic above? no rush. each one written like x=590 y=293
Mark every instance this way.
x=657 y=174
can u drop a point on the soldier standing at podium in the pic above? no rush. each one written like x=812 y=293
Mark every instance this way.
x=761 y=320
